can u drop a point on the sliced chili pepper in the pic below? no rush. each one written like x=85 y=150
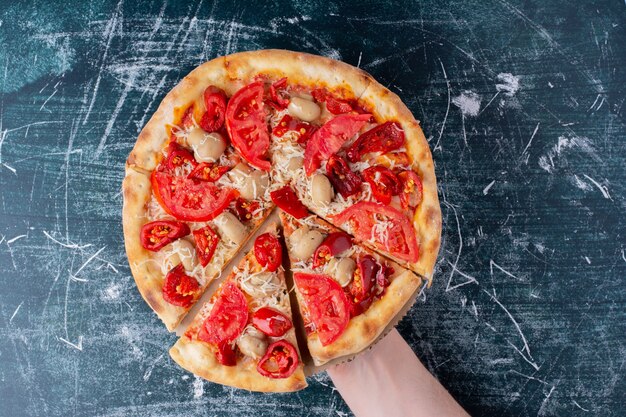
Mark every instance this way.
x=268 y=252
x=206 y=242
x=411 y=189
x=382 y=138
x=208 y=171
x=225 y=354
x=364 y=278
x=215 y=104
x=280 y=360
x=278 y=101
x=288 y=201
x=187 y=120
x=383 y=181
x=179 y=288
x=244 y=209
x=288 y=123
x=343 y=179
x=333 y=104
x=271 y=322
x=177 y=155
x=157 y=234
x=333 y=245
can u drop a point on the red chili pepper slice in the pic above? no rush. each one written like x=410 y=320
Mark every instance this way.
x=333 y=245
x=343 y=179
x=186 y=121
x=177 y=155
x=280 y=360
x=215 y=104
x=225 y=354
x=244 y=209
x=411 y=189
x=206 y=242
x=383 y=138
x=157 y=234
x=288 y=201
x=271 y=322
x=208 y=171
x=268 y=252
x=278 y=101
x=180 y=289
x=288 y=123
x=383 y=181
x=333 y=104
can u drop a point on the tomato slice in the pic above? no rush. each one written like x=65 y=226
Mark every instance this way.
x=180 y=289
x=412 y=190
x=208 y=171
x=334 y=244
x=157 y=234
x=383 y=181
x=178 y=155
x=206 y=242
x=227 y=318
x=190 y=200
x=288 y=201
x=386 y=227
x=271 y=322
x=288 y=123
x=327 y=304
x=215 y=105
x=330 y=138
x=247 y=127
x=382 y=138
x=268 y=252
x=343 y=179
x=278 y=101
x=280 y=360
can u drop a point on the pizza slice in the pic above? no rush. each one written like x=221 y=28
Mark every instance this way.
x=244 y=337
x=186 y=218
x=347 y=293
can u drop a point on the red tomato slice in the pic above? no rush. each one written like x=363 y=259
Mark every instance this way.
x=383 y=181
x=208 y=171
x=247 y=126
x=343 y=179
x=190 y=200
x=395 y=234
x=288 y=201
x=215 y=105
x=382 y=138
x=271 y=322
x=330 y=137
x=157 y=234
x=227 y=318
x=327 y=304
x=412 y=190
x=280 y=360
x=180 y=289
x=206 y=242
x=278 y=101
x=268 y=252
x=334 y=244
x=177 y=156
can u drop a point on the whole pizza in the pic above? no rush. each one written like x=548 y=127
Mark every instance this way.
x=347 y=168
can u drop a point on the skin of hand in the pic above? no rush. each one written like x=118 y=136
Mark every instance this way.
x=389 y=380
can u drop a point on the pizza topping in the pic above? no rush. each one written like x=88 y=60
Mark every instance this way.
x=383 y=181
x=180 y=251
x=207 y=147
x=341 y=269
x=188 y=199
x=303 y=109
x=288 y=123
x=382 y=138
x=268 y=252
x=227 y=318
x=271 y=322
x=260 y=284
x=411 y=189
x=231 y=228
x=215 y=104
x=252 y=343
x=334 y=105
x=225 y=354
x=288 y=201
x=280 y=360
x=177 y=156
x=304 y=242
x=244 y=209
x=254 y=185
x=330 y=138
x=180 y=289
x=322 y=192
x=384 y=226
x=247 y=126
x=208 y=171
x=327 y=304
x=344 y=180
x=206 y=242
x=333 y=245
x=157 y=234
x=370 y=281
x=278 y=101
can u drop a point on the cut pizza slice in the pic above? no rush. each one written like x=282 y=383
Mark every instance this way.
x=244 y=337
x=185 y=219
x=347 y=293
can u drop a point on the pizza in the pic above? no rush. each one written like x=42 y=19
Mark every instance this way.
x=363 y=290
x=249 y=132
x=244 y=336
